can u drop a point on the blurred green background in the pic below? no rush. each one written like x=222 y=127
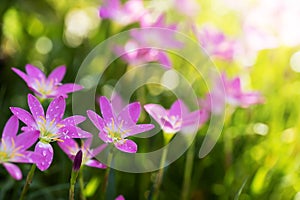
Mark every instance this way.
x=257 y=156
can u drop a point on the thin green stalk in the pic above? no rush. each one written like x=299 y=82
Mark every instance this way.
x=75 y=171
x=28 y=181
x=81 y=184
x=109 y=161
x=189 y=162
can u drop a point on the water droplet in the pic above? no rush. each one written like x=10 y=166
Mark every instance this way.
x=44 y=153
x=43 y=163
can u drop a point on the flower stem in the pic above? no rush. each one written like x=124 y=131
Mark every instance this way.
x=106 y=176
x=72 y=184
x=81 y=184
x=28 y=181
x=188 y=172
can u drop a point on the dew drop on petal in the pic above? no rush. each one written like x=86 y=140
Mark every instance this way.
x=44 y=153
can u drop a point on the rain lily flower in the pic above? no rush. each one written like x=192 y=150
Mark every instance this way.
x=51 y=126
x=115 y=128
x=177 y=117
x=120 y=197
x=235 y=96
x=13 y=147
x=70 y=147
x=216 y=43
x=125 y=14
x=47 y=87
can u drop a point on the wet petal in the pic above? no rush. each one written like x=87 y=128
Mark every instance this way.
x=104 y=137
x=69 y=146
x=68 y=132
x=56 y=109
x=68 y=88
x=73 y=120
x=45 y=151
x=35 y=107
x=130 y=114
x=57 y=74
x=34 y=72
x=27 y=139
x=13 y=170
x=22 y=75
x=95 y=163
x=139 y=129
x=96 y=119
x=23 y=115
x=106 y=109
x=11 y=128
x=127 y=146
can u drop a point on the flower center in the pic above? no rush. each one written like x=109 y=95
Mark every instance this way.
x=44 y=87
x=115 y=131
x=174 y=121
x=8 y=150
x=48 y=130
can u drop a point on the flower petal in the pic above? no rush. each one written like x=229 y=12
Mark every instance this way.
x=73 y=120
x=46 y=153
x=96 y=119
x=156 y=111
x=104 y=137
x=127 y=146
x=120 y=197
x=34 y=72
x=27 y=139
x=21 y=74
x=178 y=108
x=69 y=146
x=130 y=114
x=57 y=74
x=164 y=60
x=13 y=170
x=35 y=107
x=106 y=109
x=56 y=109
x=68 y=132
x=95 y=163
x=11 y=128
x=68 y=88
x=23 y=115
x=97 y=150
x=139 y=129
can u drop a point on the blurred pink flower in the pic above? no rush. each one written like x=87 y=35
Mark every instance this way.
x=216 y=43
x=51 y=127
x=50 y=87
x=125 y=14
x=187 y=7
x=115 y=128
x=177 y=117
x=120 y=197
x=13 y=147
x=70 y=147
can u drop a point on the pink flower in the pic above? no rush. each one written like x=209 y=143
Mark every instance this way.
x=70 y=147
x=235 y=96
x=44 y=87
x=216 y=43
x=115 y=128
x=51 y=127
x=176 y=118
x=13 y=147
x=120 y=197
x=125 y=14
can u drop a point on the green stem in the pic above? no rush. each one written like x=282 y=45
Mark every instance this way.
x=72 y=183
x=81 y=184
x=28 y=181
x=109 y=161
x=189 y=162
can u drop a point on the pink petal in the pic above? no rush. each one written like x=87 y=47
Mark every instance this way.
x=120 y=197
x=72 y=121
x=56 y=109
x=22 y=75
x=139 y=129
x=96 y=119
x=178 y=108
x=57 y=74
x=35 y=107
x=69 y=146
x=127 y=146
x=95 y=163
x=13 y=170
x=104 y=137
x=192 y=118
x=23 y=115
x=68 y=132
x=45 y=151
x=156 y=111
x=27 y=139
x=34 y=72
x=164 y=60
x=11 y=128
x=97 y=150
x=68 y=88
x=130 y=114
x=106 y=109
